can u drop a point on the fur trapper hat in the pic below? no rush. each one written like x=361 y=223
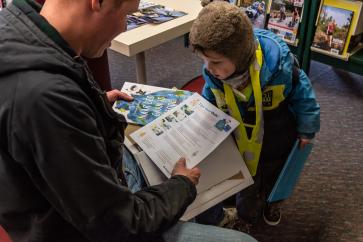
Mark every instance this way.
x=225 y=29
x=206 y=2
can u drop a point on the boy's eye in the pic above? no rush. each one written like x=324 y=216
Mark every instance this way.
x=215 y=62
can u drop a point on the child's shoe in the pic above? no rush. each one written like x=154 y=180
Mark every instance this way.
x=229 y=219
x=272 y=214
x=232 y=221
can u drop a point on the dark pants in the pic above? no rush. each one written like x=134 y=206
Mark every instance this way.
x=250 y=202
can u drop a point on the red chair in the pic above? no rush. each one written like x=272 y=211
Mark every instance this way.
x=4 y=236
x=195 y=85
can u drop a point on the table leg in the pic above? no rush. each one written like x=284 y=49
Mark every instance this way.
x=140 y=68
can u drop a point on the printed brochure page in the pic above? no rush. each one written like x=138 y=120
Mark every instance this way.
x=149 y=102
x=151 y=13
x=192 y=130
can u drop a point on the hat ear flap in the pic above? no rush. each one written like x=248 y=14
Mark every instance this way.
x=205 y=2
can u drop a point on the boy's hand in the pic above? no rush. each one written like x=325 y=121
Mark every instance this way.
x=115 y=95
x=181 y=169
x=303 y=142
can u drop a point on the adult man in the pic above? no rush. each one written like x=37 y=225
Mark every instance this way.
x=60 y=140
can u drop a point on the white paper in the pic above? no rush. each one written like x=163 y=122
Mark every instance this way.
x=149 y=102
x=192 y=130
x=219 y=165
x=132 y=89
x=210 y=189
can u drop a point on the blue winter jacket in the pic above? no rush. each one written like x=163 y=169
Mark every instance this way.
x=276 y=79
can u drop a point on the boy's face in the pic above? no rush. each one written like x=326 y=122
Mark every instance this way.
x=217 y=64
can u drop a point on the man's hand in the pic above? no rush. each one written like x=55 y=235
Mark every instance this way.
x=115 y=95
x=303 y=142
x=181 y=169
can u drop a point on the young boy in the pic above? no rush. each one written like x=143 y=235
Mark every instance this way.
x=252 y=75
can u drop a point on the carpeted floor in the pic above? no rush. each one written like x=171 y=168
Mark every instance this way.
x=327 y=204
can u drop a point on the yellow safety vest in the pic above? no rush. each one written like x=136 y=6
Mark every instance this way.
x=250 y=148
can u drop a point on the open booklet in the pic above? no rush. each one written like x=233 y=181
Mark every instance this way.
x=201 y=133
x=192 y=130
x=149 y=102
x=224 y=173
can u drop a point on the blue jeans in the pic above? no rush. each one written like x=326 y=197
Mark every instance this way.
x=135 y=180
x=182 y=231
x=194 y=232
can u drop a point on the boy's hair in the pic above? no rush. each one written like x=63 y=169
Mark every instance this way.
x=223 y=27
x=206 y=2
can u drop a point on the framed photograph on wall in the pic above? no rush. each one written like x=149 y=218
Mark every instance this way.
x=255 y=10
x=285 y=18
x=339 y=25
x=332 y=29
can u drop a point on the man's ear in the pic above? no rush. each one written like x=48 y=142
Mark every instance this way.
x=96 y=5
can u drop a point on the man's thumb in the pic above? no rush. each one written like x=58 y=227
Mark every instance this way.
x=182 y=162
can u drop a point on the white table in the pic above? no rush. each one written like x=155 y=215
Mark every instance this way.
x=138 y=40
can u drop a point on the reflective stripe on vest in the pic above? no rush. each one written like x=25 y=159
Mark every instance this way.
x=272 y=97
x=249 y=148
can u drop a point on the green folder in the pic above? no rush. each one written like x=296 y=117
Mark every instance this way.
x=290 y=173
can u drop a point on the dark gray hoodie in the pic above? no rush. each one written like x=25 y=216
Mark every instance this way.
x=59 y=139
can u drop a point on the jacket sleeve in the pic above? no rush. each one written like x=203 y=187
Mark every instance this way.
x=58 y=133
x=304 y=106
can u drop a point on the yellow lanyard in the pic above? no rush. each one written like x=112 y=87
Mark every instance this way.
x=250 y=148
